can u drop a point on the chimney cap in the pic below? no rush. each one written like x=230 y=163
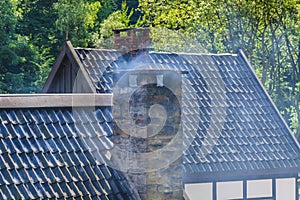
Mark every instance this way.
x=132 y=40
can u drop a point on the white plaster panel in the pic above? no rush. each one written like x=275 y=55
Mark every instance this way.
x=198 y=191
x=286 y=189
x=259 y=188
x=229 y=190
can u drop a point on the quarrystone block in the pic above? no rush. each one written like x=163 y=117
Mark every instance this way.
x=164 y=183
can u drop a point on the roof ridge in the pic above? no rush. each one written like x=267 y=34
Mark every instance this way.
x=95 y=49
x=196 y=54
x=160 y=52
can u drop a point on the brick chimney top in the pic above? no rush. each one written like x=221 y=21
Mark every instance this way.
x=132 y=39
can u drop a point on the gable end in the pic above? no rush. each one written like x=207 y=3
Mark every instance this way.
x=68 y=75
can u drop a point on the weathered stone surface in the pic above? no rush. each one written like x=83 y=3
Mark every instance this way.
x=152 y=121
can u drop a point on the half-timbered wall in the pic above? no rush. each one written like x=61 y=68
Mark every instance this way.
x=262 y=189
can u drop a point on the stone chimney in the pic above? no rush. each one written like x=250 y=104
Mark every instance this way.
x=147 y=112
x=132 y=39
x=147 y=115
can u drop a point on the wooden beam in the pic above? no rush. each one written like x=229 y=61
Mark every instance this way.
x=245 y=189
x=215 y=190
x=185 y=196
x=54 y=100
x=274 y=188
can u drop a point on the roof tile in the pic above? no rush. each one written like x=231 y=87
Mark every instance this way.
x=58 y=152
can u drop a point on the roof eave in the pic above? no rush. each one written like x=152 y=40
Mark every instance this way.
x=54 y=100
x=202 y=177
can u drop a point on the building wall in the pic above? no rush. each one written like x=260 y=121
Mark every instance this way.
x=276 y=189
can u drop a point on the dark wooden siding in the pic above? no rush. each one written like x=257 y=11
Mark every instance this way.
x=64 y=80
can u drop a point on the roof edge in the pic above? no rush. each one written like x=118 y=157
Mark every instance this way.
x=160 y=52
x=95 y=49
x=243 y=56
x=55 y=100
x=239 y=175
x=195 y=54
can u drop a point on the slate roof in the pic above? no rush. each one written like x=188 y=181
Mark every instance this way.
x=236 y=129
x=233 y=126
x=50 y=153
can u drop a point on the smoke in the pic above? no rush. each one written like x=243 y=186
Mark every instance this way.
x=155 y=96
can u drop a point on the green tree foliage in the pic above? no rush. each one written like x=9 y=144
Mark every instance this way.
x=118 y=19
x=132 y=7
x=20 y=73
x=38 y=23
x=21 y=61
x=9 y=16
x=76 y=19
x=13 y=50
x=107 y=7
x=268 y=31
x=164 y=39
